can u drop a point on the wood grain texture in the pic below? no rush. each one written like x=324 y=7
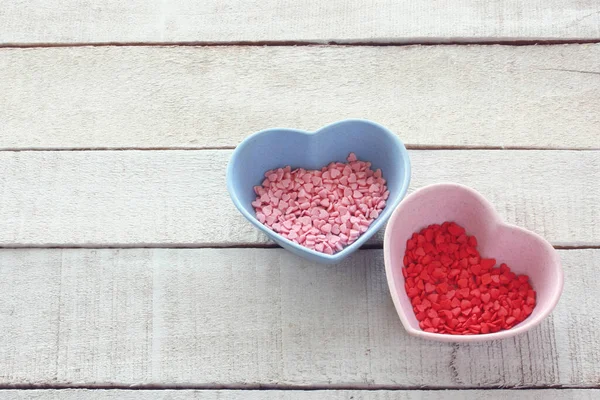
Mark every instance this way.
x=389 y=21
x=199 y=97
x=179 y=198
x=564 y=394
x=250 y=317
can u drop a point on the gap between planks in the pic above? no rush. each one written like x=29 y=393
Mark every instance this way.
x=284 y=43
x=278 y=387
x=373 y=246
x=304 y=394
x=191 y=148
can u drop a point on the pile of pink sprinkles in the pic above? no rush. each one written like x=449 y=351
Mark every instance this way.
x=324 y=210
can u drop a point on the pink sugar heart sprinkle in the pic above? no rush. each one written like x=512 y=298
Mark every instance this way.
x=323 y=210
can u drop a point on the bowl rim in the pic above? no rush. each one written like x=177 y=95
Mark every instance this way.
x=374 y=228
x=498 y=223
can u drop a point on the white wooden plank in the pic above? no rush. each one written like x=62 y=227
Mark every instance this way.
x=179 y=198
x=198 y=97
x=43 y=21
x=554 y=394
x=251 y=317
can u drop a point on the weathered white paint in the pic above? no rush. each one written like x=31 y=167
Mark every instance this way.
x=260 y=316
x=249 y=316
x=564 y=394
x=179 y=198
x=198 y=97
x=43 y=21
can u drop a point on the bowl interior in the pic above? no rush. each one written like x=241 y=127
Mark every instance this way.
x=523 y=251
x=276 y=148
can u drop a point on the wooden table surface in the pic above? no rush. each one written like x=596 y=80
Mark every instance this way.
x=127 y=273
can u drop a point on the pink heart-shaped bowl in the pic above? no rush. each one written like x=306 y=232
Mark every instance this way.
x=525 y=252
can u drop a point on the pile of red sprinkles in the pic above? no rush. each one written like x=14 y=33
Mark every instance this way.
x=454 y=290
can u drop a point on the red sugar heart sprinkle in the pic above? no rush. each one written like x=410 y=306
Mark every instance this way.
x=455 y=291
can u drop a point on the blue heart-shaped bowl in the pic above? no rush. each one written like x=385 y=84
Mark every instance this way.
x=278 y=147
